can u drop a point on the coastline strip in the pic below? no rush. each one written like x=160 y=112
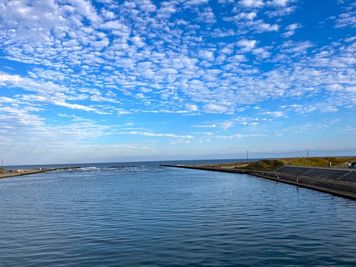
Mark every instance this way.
x=342 y=189
x=33 y=171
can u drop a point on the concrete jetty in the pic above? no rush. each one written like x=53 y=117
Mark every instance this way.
x=336 y=181
x=21 y=172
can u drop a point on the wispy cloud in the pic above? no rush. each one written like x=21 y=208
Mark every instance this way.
x=152 y=134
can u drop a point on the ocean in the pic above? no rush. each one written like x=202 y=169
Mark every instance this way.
x=141 y=214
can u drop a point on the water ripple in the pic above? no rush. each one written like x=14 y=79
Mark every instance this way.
x=149 y=216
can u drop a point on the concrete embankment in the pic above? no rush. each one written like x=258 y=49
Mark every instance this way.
x=33 y=171
x=340 y=182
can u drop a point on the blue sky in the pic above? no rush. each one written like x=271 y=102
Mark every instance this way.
x=106 y=80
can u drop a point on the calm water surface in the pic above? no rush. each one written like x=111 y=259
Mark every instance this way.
x=144 y=215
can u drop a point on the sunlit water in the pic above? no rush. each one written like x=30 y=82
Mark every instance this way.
x=146 y=215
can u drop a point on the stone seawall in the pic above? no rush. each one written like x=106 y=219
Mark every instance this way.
x=340 y=182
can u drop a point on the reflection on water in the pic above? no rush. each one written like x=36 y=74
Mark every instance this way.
x=141 y=214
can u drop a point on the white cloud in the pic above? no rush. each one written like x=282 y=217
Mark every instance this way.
x=281 y=11
x=207 y=55
x=191 y=107
x=252 y=3
x=152 y=134
x=245 y=15
x=279 y=2
x=290 y=29
x=166 y=10
x=196 y=2
x=137 y=41
x=276 y=114
x=112 y=25
x=247 y=45
x=45 y=92
x=266 y=27
x=215 y=108
x=347 y=19
x=29 y=84
x=221 y=125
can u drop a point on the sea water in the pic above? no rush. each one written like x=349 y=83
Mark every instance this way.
x=141 y=214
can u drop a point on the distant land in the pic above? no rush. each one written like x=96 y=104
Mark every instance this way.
x=335 y=175
x=274 y=164
x=4 y=173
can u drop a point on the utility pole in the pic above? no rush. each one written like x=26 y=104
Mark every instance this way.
x=2 y=163
x=247 y=154
x=307 y=152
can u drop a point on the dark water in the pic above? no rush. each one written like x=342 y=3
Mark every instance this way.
x=144 y=215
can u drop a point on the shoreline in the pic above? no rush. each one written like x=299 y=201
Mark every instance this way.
x=32 y=171
x=339 y=188
x=335 y=183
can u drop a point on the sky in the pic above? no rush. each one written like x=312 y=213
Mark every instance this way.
x=108 y=80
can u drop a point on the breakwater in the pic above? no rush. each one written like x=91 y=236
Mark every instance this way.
x=340 y=182
x=14 y=173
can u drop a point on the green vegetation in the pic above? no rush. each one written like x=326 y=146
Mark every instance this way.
x=265 y=165
x=274 y=164
x=340 y=162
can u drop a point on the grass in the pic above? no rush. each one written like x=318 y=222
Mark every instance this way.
x=265 y=165
x=321 y=161
x=274 y=164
